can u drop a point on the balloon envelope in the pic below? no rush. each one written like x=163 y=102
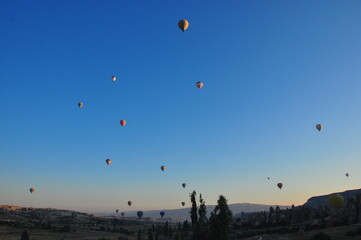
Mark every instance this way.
x=336 y=200
x=184 y=185
x=163 y=168
x=183 y=203
x=199 y=84
x=279 y=185
x=122 y=214
x=130 y=203
x=80 y=105
x=319 y=127
x=139 y=214
x=347 y=174
x=162 y=214
x=108 y=161
x=183 y=25
x=32 y=190
x=114 y=78
x=123 y=122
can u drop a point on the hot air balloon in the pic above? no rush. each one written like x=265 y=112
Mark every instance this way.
x=199 y=84
x=347 y=174
x=80 y=105
x=32 y=190
x=319 y=127
x=117 y=210
x=123 y=122
x=122 y=213
x=268 y=178
x=336 y=200
x=130 y=203
x=108 y=161
x=279 y=185
x=114 y=78
x=139 y=214
x=183 y=203
x=183 y=24
x=162 y=214
x=163 y=168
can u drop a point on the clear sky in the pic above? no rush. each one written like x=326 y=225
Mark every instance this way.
x=271 y=71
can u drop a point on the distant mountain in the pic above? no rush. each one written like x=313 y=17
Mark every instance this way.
x=323 y=200
x=183 y=213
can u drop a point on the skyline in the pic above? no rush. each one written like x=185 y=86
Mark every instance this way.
x=271 y=72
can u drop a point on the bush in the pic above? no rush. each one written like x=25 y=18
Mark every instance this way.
x=321 y=236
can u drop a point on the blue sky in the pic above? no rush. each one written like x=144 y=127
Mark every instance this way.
x=271 y=71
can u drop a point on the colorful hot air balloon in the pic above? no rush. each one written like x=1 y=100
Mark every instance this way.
x=319 y=127
x=183 y=203
x=163 y=168
x=32 y=190
x=162 y=214
x=108 y=161
x=336 y=200
x=114 y=78
x=123 y=122
x=183 y=24
x=347 y=174
x=184 y=185
x=279 y=185
x=122 y=213
x=199 y=84
x=80 y=105
x=139 y=214
x=130 y=203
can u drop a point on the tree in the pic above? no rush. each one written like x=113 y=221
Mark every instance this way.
x=194 y=216
x=202 y=219
x=220 y=220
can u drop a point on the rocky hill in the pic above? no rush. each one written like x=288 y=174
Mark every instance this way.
x=323 y=200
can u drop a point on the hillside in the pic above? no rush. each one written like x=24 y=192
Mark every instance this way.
x=323 y=199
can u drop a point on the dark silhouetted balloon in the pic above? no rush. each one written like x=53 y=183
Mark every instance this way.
x=108 y=161
x=319 y=127
x=139 y=214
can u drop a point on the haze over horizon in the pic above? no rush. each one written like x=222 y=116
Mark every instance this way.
x=271 y=70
